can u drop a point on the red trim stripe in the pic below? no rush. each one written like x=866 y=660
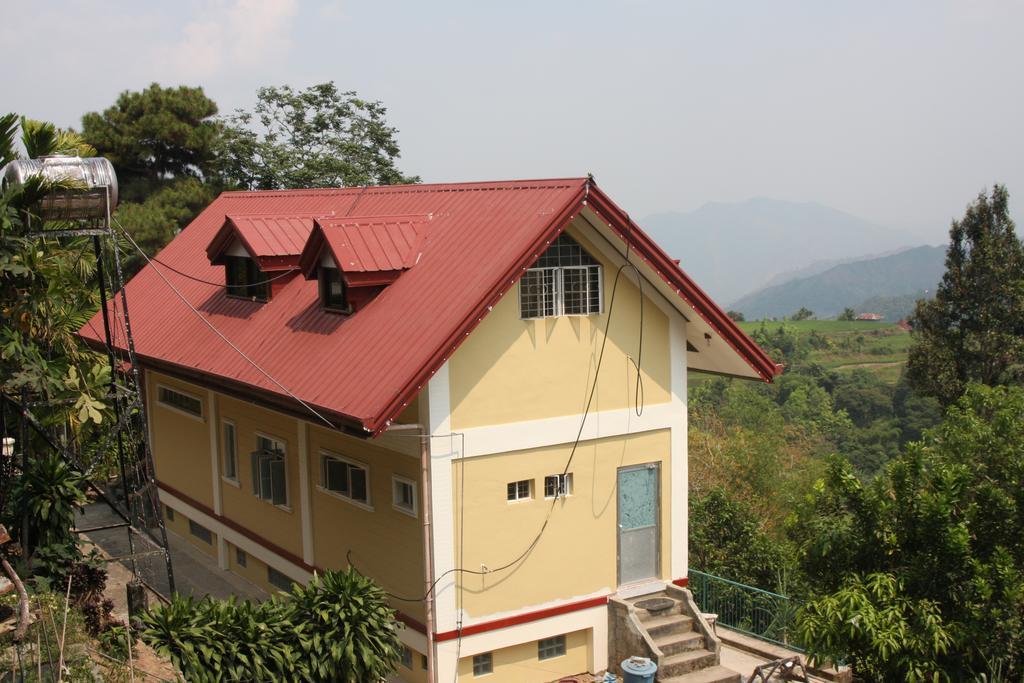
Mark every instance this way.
x=682 y=583
x=522 y=618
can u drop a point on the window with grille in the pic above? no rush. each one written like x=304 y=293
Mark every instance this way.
x=345 y=478
x=548 y=648
x=403 y=494
x=558 y=485
x=406 y=657
x=483 y=664
x=520 y=490
x=245 y=279
x=565 y=280
x=278 y=579
x=269 y=471
x=200 y=532
x=230 y=452
x=180 y=401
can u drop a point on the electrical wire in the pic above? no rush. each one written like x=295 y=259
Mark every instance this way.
x=220 y=334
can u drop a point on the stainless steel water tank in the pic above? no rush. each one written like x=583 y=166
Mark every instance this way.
x=91 y=178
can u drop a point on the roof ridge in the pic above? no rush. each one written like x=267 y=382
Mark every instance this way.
x=480 y=185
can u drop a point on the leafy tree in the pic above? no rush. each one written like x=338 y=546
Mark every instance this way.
x=864 y=397
x=973 y=330
x=945 y=521
x=727 y=538
x=847 y=314
x=802 y=314
x=317 y=137
x=155 y=135
x=736 y=316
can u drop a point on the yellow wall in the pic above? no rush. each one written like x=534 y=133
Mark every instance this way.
x=417 y=674
x=577 y=553
x=519 y=663
x=280 y=526
x=180 y=442
x=510 y=370
x=386 y=543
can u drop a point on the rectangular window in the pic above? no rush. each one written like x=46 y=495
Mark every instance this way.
x=170 y=513
x=537 y=293
x=241 y=559
x=245 y=279
x=549 y=648
x=345 y=478
x=558 y=485
x=332 y=290
x=483 y=664
x=423 y=662
x=200 y=532
x=403 y=494
x=230 y=452
x=406 y=657
x=278 y=580
x=269 y=475
x=180 y=401
x=520 y=490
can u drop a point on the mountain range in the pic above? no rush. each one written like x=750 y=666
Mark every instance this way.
x=732 y=249
x=890 y=282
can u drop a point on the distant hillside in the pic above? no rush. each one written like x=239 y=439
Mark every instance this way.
x=849 y=284
x=733 y=249
x=893 y=308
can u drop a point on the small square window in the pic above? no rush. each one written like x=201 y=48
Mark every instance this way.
x=403 y=494
x=169 y=512
x=548 y=648
x=520 y=490
x=406 y=657
x=278 y=580
x=558 y=485
x=483 y=664
x=200 y=532
x=332 y=290
x=241 y=559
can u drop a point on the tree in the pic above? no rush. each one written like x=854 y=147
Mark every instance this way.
x=973 y=330
x=728 y=539
x=317 y=137
x=735 y=316
x=847 y=314
x=154 y=136
x=944 y=527
x=802 y=314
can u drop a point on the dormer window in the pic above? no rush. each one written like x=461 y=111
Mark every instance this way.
x=245 y=279
x=565 y=280
x=332 y=290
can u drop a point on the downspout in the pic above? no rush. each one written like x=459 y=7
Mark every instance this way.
x=428 y=542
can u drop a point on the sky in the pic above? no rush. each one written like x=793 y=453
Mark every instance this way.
x=898 y=112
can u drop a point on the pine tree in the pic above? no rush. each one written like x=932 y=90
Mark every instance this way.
x=973 y=330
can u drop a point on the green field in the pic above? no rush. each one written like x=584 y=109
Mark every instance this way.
x=854 y=344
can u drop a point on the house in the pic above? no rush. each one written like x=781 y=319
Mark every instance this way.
x=870 y=317
x=397 y=378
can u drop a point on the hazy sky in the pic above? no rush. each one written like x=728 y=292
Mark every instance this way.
x=899 y=112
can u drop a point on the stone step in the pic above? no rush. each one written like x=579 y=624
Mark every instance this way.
x=675 y=643
x=685 y=662
x=645 y=615
x=673 y=623
x=714 y=674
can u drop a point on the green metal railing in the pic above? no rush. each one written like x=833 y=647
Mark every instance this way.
x=755 y=612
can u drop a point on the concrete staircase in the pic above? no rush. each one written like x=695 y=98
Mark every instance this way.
x=674 y=635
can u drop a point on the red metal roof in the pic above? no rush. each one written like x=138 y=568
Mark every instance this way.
x=370 y=244
x=366 y=367
x=275 y=240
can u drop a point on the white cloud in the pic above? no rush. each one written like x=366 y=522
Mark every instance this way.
x=230 y=35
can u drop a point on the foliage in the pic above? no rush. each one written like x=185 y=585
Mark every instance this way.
x=847 y=314
x=47 y=494
x=735 y=315
x=153 y=135
x=947 y=519
x=887 y=635
x=973 y=330
x=337 y=628
x=316 y=137
x=803 y=314
x=727 y=538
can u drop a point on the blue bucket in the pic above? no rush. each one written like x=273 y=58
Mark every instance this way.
x=638 y=670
